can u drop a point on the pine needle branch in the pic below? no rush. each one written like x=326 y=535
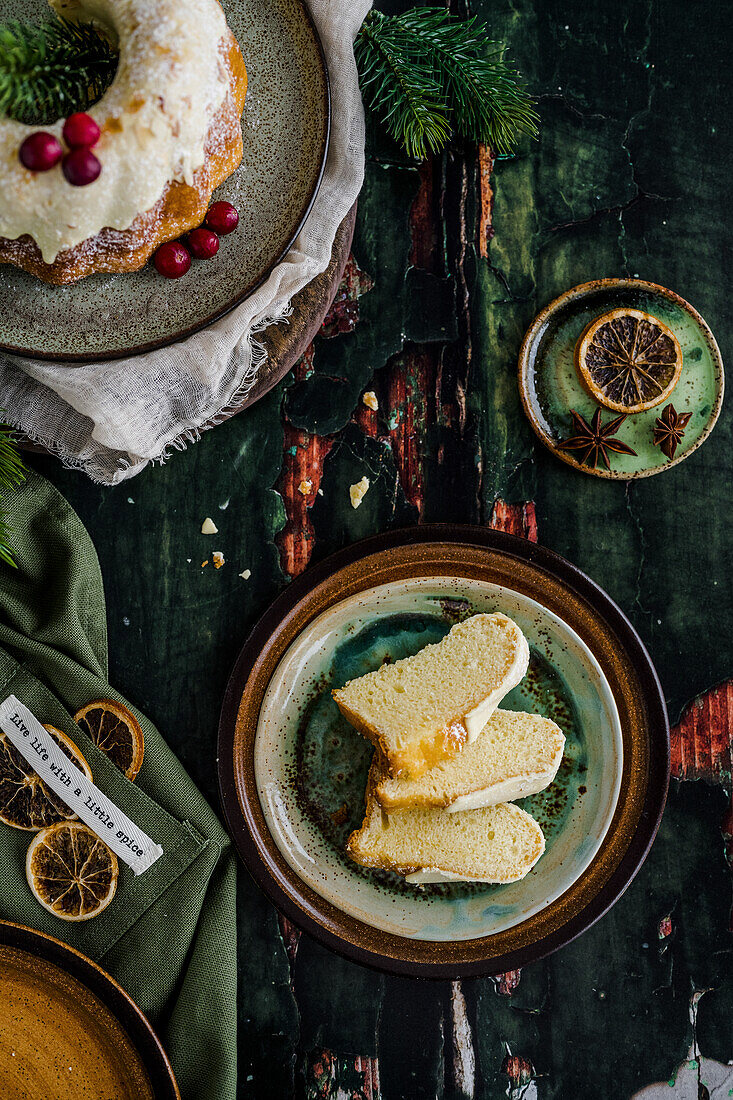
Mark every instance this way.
x=406 y=96
x=425 y=74
x=49 y=70
x=12 y=473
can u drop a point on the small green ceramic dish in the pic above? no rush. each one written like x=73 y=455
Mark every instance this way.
x=286 y=126
x=550 y=387
x=293 y=772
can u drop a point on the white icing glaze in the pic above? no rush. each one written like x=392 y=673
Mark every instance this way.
x=171 y=80
x=434 y=874
x=506 y=791
x=477 y=718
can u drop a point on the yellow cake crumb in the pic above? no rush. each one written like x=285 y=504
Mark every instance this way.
x=218 y=559
x=370 y=400
x=305 y=486
x=358 y=491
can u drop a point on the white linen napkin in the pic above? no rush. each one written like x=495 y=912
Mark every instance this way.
x=110 y=419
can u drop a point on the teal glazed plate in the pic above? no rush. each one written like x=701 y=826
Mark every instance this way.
x=550 y=387
x=293 y=771
x=286 y=127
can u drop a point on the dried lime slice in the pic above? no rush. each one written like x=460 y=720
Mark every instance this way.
x=25 y=800
x=71 y=872
x=629 y=360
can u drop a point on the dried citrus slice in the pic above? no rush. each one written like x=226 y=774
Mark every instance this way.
x=71 y=872
x=629 y=360
x=25 y=800
x=116 y=732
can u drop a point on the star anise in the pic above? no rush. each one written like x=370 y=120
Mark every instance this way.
x=595 y=440
x=669 y=429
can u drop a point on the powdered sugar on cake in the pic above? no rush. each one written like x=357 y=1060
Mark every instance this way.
x=171 y=81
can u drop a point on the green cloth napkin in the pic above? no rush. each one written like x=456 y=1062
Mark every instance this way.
x=169 y=936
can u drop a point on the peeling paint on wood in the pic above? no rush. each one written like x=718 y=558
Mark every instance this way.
x=701 y=740
x=407 y=387
x=516 y=519
x=343 y=314
x=505 y=984
x=303 y=452
x=664 y=928
x=462 y=1051
x=291 y=940
x=486 y=200
x=367 y=419
x=330 y=1077
x=304 y=455
x=425 y=223
x=701 y=748
x=520 y=1072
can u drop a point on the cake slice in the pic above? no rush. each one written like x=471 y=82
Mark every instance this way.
x=494 y=844
x=424 y=709
x=515 y=755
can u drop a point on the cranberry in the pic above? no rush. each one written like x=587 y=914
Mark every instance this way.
x=40 y=151
x=172 y=260
x=222 y=217
x=81 y=167
x=80 y=129
x=203 y=243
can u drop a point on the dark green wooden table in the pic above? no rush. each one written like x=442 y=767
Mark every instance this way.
x=631 y=176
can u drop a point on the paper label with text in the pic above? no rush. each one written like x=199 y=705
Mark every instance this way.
x=91 y=805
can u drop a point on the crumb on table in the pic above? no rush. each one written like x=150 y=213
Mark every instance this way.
x=358 y=491
x=370 y=400
x=208 y=527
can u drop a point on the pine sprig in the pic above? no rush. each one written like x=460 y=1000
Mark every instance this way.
x=49 y=70
x=406 y=96
x=426 y=74
x=12 y=473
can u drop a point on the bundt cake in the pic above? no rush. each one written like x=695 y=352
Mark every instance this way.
x=170 y=134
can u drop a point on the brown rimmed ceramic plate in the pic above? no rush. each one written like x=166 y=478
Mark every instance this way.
x=292 y=772
x=68 y=1031
x=286 y=126
x=550 y=387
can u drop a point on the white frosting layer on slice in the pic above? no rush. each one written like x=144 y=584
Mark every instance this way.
x=506 y=791
x=171 y=80
x=477 y=718
x=434 y=874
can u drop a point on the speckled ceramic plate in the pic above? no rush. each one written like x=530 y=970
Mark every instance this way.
x=67 y=1030
x=286 y=126
x=293 y=772
x=550 y=387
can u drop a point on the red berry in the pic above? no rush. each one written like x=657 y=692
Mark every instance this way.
x=203 y=243
x=172 y=260
x=40 y=151
x=222 y=217
x=81 y=167
x=80 y=129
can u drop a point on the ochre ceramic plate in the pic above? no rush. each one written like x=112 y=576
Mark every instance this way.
x=292 y=771
x=68 y=1031
x=286 y=125
x=550 y=387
